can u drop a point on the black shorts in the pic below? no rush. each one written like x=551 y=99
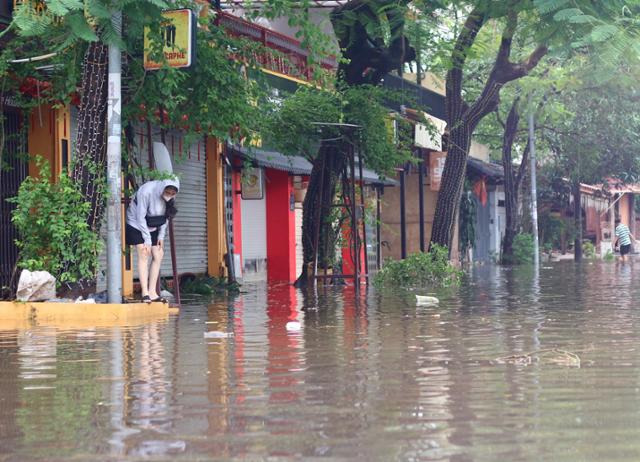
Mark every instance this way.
x=625 y=249
x=133 y=236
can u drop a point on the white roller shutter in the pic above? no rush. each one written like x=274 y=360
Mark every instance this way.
x=254 y=238
x=299 y=250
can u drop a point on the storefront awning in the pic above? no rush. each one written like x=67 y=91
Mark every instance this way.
x=478 y=168
x=296 y=165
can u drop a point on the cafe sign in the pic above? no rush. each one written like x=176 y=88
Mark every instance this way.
x=178 y=36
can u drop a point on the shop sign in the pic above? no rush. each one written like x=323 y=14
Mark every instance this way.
x=430 y=137
x=178 y=36
x=252 y=184
x=436 y=167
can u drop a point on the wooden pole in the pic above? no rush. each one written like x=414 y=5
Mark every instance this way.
x=421 y=200
x=174 y=264
x=365 y=269
x=378 y=230
x=403 y=216
x=354 y=219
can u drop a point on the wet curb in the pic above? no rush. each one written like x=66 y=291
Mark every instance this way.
x=80 y=315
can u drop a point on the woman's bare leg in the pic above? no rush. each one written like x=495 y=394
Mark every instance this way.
x=157 y=253
x=143 y=269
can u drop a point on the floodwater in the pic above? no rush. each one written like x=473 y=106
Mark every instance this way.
x=509 y=367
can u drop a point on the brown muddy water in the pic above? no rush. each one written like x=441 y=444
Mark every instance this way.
x=509 y=367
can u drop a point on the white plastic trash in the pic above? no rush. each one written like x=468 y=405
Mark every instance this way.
x=426 y=300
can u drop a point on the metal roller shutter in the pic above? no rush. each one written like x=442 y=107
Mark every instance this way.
x=190 y=225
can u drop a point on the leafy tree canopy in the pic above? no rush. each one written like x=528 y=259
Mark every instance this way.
x=293 y=126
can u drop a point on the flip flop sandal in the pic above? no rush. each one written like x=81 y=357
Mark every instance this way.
x=146 y=299
x=160 y=299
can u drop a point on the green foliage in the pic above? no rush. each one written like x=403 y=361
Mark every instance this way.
x=589 y=250
x=419 y=270
x=554 y=229
x=523 y=250
x=205 y=285
x=292 y=127
x=54 y=235
x=609 y=256
x=599 y=136
x=226 y=102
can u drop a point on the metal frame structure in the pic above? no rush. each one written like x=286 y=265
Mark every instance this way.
x=354 y=241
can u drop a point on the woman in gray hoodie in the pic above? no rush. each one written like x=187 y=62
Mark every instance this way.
x=146 y=228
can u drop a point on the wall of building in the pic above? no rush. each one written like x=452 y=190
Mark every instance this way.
x=624 y=209
x=390 y=216
x=281 y=222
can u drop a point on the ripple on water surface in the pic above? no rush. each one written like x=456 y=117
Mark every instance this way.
x=510 y=366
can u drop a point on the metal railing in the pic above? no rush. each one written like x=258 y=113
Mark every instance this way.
x=12 y=173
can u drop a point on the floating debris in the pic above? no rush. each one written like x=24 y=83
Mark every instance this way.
x=547 y=355
x=426 y=300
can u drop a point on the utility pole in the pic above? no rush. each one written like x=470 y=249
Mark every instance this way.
x=534 y=194
x=114 y=176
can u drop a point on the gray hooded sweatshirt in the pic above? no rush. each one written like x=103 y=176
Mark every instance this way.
x=148 y=201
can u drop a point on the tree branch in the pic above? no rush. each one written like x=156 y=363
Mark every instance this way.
x=465 y=39
x=523 y=68
x=504 y=52
x=523 y=166
x=503 y=71
x=499 y=119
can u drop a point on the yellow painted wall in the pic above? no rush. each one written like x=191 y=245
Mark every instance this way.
x=41 y=137
x=49 y=137
x=216 y=242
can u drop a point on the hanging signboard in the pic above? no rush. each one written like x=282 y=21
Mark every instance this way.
x=252 y=184
x=178 y=36
x=430 y=137
x=38 y=7
x=436 y=167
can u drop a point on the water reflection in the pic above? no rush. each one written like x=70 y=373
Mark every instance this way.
x=323 y=375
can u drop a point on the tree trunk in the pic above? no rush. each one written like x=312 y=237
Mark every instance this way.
x=89 y=160
x=91 y=147
x=462 y=118
x=577 y=216
x=512 y=181
x=510 y=188
x=317 y=206
x=451 y=186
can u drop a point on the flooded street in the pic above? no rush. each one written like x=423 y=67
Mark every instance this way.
x=509 y=367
